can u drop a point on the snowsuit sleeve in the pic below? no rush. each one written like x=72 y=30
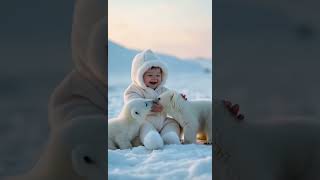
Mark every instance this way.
x=132 y=92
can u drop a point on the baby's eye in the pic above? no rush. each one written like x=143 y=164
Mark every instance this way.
x=136 y=112
x=146 y=105
x=159 y=99
x=158 y=75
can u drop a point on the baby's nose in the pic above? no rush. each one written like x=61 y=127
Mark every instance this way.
x=155 y=101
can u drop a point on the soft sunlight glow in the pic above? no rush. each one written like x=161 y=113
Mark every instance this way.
x=180 y=28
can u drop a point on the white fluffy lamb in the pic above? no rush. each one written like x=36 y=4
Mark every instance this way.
x=194 y=116
x=124 y=128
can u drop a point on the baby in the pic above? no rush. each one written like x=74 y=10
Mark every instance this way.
x=148 y=75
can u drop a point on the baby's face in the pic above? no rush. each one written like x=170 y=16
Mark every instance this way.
x=152 y=78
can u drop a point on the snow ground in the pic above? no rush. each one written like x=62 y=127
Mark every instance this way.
x=173 y=162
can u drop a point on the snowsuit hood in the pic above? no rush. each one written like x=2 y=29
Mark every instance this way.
x=142 y=62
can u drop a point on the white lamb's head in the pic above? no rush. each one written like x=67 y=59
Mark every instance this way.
x=170 y=100
x=137 y=109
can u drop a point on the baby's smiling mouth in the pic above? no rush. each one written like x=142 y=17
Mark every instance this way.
x=153 y=83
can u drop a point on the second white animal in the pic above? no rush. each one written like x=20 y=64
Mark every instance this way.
x=194 y=116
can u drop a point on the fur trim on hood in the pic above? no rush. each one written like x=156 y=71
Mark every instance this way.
x=142 y=62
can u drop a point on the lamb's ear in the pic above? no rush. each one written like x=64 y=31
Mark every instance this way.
x=135 y=113
x=171 y=98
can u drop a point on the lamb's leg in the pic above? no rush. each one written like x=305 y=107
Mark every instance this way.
x=124 y=143
x=111 y=145
x=209 y=136
x=209 y=133
x=190 y=135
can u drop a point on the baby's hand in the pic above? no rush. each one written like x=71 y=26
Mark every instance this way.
x=156 y=107
x=184 y=96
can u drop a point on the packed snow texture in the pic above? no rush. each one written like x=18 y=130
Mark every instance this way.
x=173 y=162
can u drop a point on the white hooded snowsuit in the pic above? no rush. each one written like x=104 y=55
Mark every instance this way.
x=156 y=122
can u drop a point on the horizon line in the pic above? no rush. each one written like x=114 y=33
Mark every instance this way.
x=160 y=52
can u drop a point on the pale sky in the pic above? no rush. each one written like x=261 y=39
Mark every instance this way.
x=182 y=28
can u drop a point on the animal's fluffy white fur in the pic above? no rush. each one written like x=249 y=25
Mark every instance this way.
x=194 y=116
x=124 y=128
